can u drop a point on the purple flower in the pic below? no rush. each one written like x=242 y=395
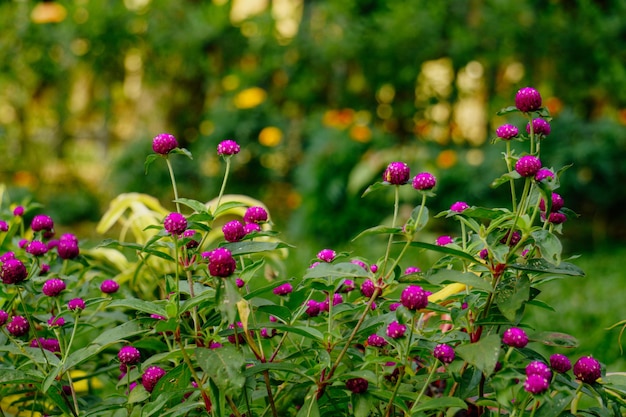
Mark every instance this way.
x=267 y=335
x=528 y=166
x=251 y=227
x=326 y=255
x=357 y=385
x=228 y=147
x=151 y=376
x=459 y=207
x=368 y=288
x=536 y=384
x=51 y=345
x=414 y=297
x=557 y=203
x=4 y=316
x=394 y=306
x=6 y=256
x=191 y=243
x=18 y=326
x=528 y=99
x=283 y=289
x=444 y=240
x=44 y=269
x=13 y=271
x=175 y=223
x=359 y=263
x=507 y=132
x=540 y=127
x=129 y=355
x=42 y=222
x=68 y=246
x=347 y=286
x=255 y=214
x=412 y=270
x=374 y=268
x=221 y=262
x=164 y=143
x=18 y=211
x=397 y=173
x=239 y=282
x=56 y=321
x=543 y=173
x=515 y=238
x=325 y=305
x=53 y=287
x=424 y=181
x=233 y=231
x=515 y=337
x=557 y=218
x=560 y=363
x=587 y=369
x=376 y=340
x=443 y=352
x=4 y=226
x=76 y=304
x=109 y=286
x=539 y=368
x=395 y=330
x=313 y=308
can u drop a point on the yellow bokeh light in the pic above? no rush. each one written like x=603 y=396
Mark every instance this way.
x=249 y=98
x=270 y=136
x=230 y=82
x=361 y=133
x=446 y=159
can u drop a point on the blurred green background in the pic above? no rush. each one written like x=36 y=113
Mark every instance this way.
x=322 y=95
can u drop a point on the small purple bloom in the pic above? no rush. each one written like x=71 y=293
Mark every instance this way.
x=233 y=231
x=414 y=297
x=560 y=363
x=56 y=321
x=483 y=253
x=394 y=306
x=325 y=305
x=543 y=173
x=164 y=143
x=175 y=223
x=68 y=246
x=557 y=218
x=459 y=207
x=528 y=166
x=251 y=227
x=539 y=368
x=109 y=286
x=515 y=337
x=397 y=173
x=42 y=222
x=76 y=304
x=18 y=326
x=53 y=287
x=376 y=340
x=357 y=385
x=515 y=238
x=540 y=127
x=313 y=308
x=368 y=288
x=445 y=353
x=4 y=316
x=51 y=345
x=6 y=256
x=412 y=270
x=424 y=181
x=444 y=240
x=228 y=147
x=151 y=376
x=396 y=330
x=557 y=203
x=536 y=384
x=528 y=99
x=326 y=255
x=191 y=243
x=13 y=271
x=359 y=263
x=283 y=289
x=4 y=226
x=129 y=355
x=374 y=268
x=239 y=282
x=18 y=211
x=255 y=214
x=587 y=369
x=507 y=132
x=347 y=286
x=221 y=262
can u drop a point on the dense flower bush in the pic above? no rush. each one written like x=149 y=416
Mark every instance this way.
x=190 y=312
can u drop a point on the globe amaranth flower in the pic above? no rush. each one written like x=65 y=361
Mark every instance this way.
x=359 y=263
x=540 y=127
x=18 y=326
x=414 y=297
x=283 y=289
x=513 y=239
x=411 y=270
x=18 y=211
x=528 y=99
x=445 y=353
x=191 y=243
x=255 y=214
x=326 y=255
x=536 y=384
x=56 y=321
x=221 y=262
x=164 y=143
x=557 y=203
x=175 y=223
x=539 y=368
x=109 y=286
x=4 y=316
x=347 y=286
x=228 y=147
x=239 y=282
x=507 y=132
x=587 y=369
x=459 y=207
x=376 y=340
x=233 y=231
x=325 y=305
x=312 y=308
x=396 y=330
x=557 y=218
x=374 y=268
x=4 y=226
x=76 y=304
x=560 y=363
x=151 y=376
x=368 y=288
x=394 y=306
x=515 y=337
x=42 y=222
x=444 y=240
x=424 y=181
x=543 y=174
x=13 y=271
x=51 y=345
x=6 y=256
x=36 y=248
x=53 y=287
x=357 y=385
x=251 y=227
x=397 y=173
x=129 y=355
x=68 y=246
x=528 y=166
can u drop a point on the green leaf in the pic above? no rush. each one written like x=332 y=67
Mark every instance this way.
x=443 y=249
x=225 y=367
x=195 y=205
x=555 y=339
x=543 y=266
x=441 y=403
x=507 y=110
x=511 y=297
x=310 y=407
x=339 y=270
x=378 y=230
x=415 y=223
x=273 y=366
x=549 y=245
x=305 y=331
x=362 y=404
x=149 y=160
x=150 y=307
x=13 y=376
x=182 y=151
x=482 y=354
x=505 y=178
x=281 y=312
x=224 y=207
x=375 y=187
x=440 y=276
x=247 y=247
x=227 y=301
x=556 y=405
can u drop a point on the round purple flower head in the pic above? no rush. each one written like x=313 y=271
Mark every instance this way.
x=18 y=211
x=443 y=352
x=412 y=270
x=175 y=223
x=151 y=376
x=395 y=330
x=459 y=207
x=129 y=355
x=53 y=287
x=251 y=227
x=283 y=289
x=221 y=262
x=424 y=181
x=539 y=368
x=313 y=308
x=414 y=297
x=4 y=226
x=164 y=143
x=4 y=316
x=368 y=288
x=507 y=132
x=544 y=173
x=325 y=305
x=239 y=282
x=444 y=240
x=540 y=127
x=56 y=321
x=228 y=147
x=36 y=248
x=255 y=214
x=359 y=263
x=557 y=203
x=326 y=255
x=109 y=286
x=357 y=385
x=233 y=231
x=515 y=337
x=18 y=326
x=6 y=256
x=76 y=304
x=536 y=384
x=528 y=99
x=560 y=363
x=68 y=246
x=587 y=369
x=13 y=271
x=397 y=173
x=42 y=222
x=51 y=345
x=376 y=340
x=557 y=218
x=347 y=286
x=528 y=166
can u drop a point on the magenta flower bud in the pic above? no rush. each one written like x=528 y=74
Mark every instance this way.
x=536 y=384
x=56 y=321
x=13 y=271
x=357 y=385
x=239 y=282
x=251 y=227
x=515 y=238
x=221 y=263
x=129 y=355
x=157 y=317
x=109 y=286
x=313 y=308
x=325 y=305
x=191 y=243
x=4 y=316
x=228 y=147
x=255 y=214
x=283 y=289
x=557 y=218
x=397 y=173
x=444 y=240
x=23 y=243
x=539 y=368
x=587 y=369
x=412 y=270
x=347 y=286
x=374 y=268
x=164 y=143
x=53 y=287
x=557 y=203
x=445 y=353
x=175 y=223
x=424 y=181
x=540 y=127
x=395 y=330
x=359 y=263
x=42 y=222
x=76 y=304
x=543 y=173
x=414 y=297
x=326 y=255
x=4 y=226
x=36 y=248
x=560 y=363
x=376 y=341
x=507 y=132
x=68 y=246
x=51 y=345
x=368 y=288
x=265 y=334
x=151 y=376
x=515 y=337
x=528 y=99
x=6 y=256
x=233 y=231
x=394 y=306
x=483 y=254
x=18 y=326
x=459 y=207
x=528 y=166
x=18 y=211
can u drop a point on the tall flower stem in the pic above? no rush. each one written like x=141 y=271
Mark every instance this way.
x=224 y=181
x=173 y=179
x=396 y=205
x=426 y=384
x=509 y=167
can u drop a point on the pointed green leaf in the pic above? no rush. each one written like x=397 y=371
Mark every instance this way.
x=339 y=270
x=374 y=187
x=310 y=407
x=182 y=151
x=541 y=265
x=443 y=249
x=555 y=339
x=378 y=230
x=512 y=296
x=440 y=276
x=224 y=207
x=421 y=212
x=484 y=213
x=482 y=354
x=441 y=403
x=247 y=247
x=149 y=160
x=504 y=178
x=150 y=307
x=195 y=205
x=507 y=110
x=549 y=245
x=225 y=367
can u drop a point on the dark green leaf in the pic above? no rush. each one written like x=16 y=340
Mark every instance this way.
x=482 y=354
x=543 y=266
x=440 y=276
x=224 y=207
x=484 y=213
x=555 y=339
x=310 y=407
x=441 y=403
x=549 y=245
x=247 y=247
x=512 y=296
x=443 y=249
x=504 y=178
x=556 y=405
x=374 y=187
x=149 y=160
x=195 y=205
x=507 y=110
x=225 y=367
x=182 y=151
x=151 y=307
x=378 y=230
x=305 y=331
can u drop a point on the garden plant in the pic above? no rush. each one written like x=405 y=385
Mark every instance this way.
x=191 y=312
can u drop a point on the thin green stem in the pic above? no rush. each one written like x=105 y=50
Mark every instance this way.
x=224 y=181
x=394 y=393
x=396 y=207
x=509 y=167
x=173 y=178
x=426 y=384
x=73 y=392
